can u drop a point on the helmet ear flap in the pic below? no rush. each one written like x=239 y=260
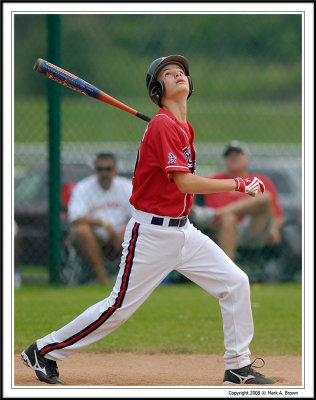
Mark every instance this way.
x=157 y=91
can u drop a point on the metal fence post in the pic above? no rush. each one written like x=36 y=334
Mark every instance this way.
x=54 y=138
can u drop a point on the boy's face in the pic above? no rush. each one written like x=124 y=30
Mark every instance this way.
x=174 y=79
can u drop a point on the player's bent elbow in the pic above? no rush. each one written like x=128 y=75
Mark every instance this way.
x=183 y=189
x=181 y=180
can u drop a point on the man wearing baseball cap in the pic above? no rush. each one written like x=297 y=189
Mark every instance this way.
x=237 y=219
x=237 y=147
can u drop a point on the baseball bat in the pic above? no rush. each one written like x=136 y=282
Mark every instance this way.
x=73 y=82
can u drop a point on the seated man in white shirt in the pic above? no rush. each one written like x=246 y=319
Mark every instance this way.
x=98 y=211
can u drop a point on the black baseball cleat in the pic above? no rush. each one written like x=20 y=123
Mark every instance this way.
x=246 y=376
x=46 y=370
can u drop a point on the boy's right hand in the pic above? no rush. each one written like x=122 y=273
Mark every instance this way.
x=250 y=186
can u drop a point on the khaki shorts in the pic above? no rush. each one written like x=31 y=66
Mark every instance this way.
x=246 y=238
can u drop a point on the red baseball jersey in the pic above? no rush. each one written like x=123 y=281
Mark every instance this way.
x=215 y=200
x=167 y=145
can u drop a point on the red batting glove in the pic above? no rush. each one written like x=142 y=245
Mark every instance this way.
x=250 y=186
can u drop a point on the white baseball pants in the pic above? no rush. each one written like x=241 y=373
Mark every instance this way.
x=150 y=253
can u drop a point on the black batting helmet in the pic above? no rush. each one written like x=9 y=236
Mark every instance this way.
x=155 y=87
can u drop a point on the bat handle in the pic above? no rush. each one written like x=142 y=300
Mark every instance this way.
x=142 y=116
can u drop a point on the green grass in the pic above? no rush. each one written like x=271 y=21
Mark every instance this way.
x=176 y=318
x=34 y=274
x=88 y=120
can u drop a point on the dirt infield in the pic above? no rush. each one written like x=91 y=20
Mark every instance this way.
x=128 y=369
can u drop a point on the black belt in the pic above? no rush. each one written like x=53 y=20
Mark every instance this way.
x=179 y=222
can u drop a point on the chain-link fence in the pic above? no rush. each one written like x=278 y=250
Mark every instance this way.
x=246 y=72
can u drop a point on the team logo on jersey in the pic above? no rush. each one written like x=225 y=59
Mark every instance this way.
x=172 y=159
x=188 y=156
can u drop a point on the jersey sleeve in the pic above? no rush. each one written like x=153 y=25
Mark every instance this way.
x=169 y=149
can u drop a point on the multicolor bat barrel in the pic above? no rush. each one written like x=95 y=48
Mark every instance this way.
x=65 y=78
x=71 y=81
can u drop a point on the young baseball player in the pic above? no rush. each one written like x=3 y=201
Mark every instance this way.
x=159 y=238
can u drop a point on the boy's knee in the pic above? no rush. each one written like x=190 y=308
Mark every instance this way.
x=242 y=280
